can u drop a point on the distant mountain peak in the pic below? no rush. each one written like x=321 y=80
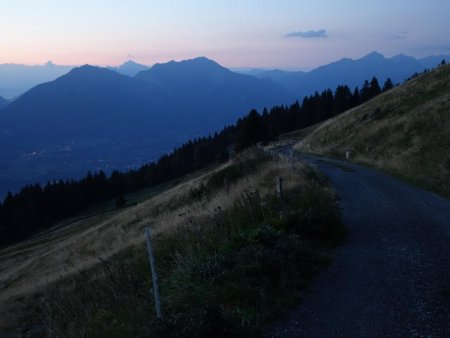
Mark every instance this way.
x=374 y=55
x=130 y=62
x=201 y=60
x=188 y=70
x=129 y=68
x=402 y=57
x=84 y=68
x=91 y=72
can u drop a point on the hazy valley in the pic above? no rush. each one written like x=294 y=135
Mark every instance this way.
x=93 y=118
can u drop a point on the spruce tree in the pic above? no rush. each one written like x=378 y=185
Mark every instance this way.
x=388 y=85
x=374 y=87
x=365 y=92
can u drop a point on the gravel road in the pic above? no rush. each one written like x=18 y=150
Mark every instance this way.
x=391 y=278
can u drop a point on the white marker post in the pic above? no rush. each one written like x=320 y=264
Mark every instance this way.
x=151 y=256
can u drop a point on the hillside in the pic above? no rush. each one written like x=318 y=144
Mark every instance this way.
x=404 y=131
x=86 y=276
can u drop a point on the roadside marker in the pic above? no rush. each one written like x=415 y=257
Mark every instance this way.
x=151 y=256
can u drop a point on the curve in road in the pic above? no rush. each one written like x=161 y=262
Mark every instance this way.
x=391 y=278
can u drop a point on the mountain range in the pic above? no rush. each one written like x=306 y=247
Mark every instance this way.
x=350 y=72
x=95 y=118
x=15 y=79
x=93 y=102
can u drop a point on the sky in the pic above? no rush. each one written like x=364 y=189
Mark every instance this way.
x=287 y=34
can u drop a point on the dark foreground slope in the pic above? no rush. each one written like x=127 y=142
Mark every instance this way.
x=391 y=277
x=227 y=261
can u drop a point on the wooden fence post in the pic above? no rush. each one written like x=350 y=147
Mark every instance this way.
x=151 y=256
x=292 y=157
x=280 y=187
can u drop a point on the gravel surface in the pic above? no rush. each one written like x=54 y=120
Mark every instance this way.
x=391 y=278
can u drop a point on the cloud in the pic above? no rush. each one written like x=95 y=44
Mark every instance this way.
x=321 y=33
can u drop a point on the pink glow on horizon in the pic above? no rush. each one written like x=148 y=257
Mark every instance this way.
x=235 y=34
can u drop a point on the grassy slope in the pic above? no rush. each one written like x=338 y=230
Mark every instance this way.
x=226 y=269
x=75 y=245
x=405 y=131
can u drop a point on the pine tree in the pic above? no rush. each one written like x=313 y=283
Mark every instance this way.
x=250 y=131
x=388 y=85
x=374 y=87
x=356 y=97
x=342 y=99
x=365 y=92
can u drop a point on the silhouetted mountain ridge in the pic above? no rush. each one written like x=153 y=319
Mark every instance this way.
x=129 y=68
x=87 y=102
x=352 y=72
x=220 y=90
x=15 y=79
x=94 y=118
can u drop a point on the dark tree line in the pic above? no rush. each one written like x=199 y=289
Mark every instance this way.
x=38 y=207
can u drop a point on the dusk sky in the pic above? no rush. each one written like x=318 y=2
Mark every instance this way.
x=291 y=34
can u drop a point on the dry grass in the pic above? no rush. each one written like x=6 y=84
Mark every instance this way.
x=231 y=227
x=404 y=131
x=29 y=267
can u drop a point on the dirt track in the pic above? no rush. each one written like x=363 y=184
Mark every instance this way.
x=391 y=278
